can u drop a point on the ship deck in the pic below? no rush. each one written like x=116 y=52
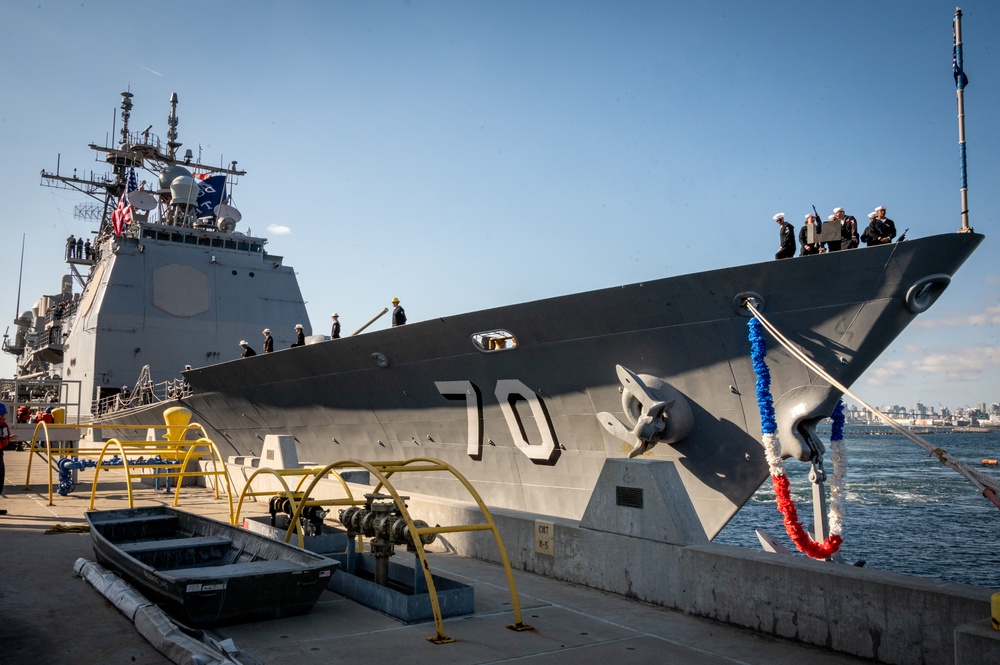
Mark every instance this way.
x=52 y=615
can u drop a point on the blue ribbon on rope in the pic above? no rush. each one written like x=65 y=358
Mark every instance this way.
x=837 y=422
x=758 y=350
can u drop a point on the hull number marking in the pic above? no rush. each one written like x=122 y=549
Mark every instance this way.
x=509 y=394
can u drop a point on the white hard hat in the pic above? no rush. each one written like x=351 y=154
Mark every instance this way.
x=243 y=342
x=335 y=314
x=298 y=326
x=267 y=331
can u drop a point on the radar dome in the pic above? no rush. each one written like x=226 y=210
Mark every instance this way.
x=168 y=175
x=184 y=191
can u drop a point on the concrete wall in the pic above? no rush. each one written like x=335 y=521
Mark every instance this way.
x=888 y=617
x=884 y=616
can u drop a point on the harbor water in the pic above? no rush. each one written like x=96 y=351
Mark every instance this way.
x=905 y=511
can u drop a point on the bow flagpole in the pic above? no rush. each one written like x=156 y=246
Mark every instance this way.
x=961 y=80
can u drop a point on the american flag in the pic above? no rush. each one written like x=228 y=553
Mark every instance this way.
x=123 y=213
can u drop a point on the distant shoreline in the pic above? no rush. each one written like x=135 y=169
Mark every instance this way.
x=885 y=430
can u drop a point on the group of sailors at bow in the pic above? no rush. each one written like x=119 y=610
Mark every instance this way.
x=815 y=239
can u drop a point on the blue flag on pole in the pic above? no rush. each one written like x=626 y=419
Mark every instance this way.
x=210 y=194
x=957 y=69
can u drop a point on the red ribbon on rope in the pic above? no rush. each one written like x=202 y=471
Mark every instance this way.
x=793 y=527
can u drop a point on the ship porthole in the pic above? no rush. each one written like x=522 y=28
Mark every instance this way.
x=380 y=360
x=925 y=292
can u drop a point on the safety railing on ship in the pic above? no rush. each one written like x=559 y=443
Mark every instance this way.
x=153 y=393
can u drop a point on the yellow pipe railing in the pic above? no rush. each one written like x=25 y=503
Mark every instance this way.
x=170 y=452
x=44 y=446
x=383 y=471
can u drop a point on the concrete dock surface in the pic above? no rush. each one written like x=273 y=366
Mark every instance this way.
x=48 y=614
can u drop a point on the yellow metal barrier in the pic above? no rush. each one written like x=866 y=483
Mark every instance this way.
x=176 y=457
x=44 y=446
x=383 y=471
x=176 y=453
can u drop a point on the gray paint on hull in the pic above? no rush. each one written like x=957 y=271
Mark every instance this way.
x=843 y=309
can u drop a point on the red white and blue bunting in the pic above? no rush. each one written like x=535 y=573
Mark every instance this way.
x=772 y=452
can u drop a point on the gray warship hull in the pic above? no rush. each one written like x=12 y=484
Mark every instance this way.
x=530 y=425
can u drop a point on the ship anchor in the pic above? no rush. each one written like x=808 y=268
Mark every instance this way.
x=657 y=411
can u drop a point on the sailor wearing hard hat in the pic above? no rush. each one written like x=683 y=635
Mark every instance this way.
x=398 y=314
x=268 y=341
x=335 y=330
x=300 y=336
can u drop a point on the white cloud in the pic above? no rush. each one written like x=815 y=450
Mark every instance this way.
x=884 y=376
x=990 y=317
x=278 y=230
x=945 y=365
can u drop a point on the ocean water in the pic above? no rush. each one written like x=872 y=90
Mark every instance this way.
x=905 y=511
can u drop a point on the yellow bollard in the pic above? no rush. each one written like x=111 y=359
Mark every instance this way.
x=995 y=607
x=58 y=416
x=176 y=419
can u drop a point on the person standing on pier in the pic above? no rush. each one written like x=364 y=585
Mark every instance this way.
x=4 y=440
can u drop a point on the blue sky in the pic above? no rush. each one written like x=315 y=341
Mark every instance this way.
x=463 y=155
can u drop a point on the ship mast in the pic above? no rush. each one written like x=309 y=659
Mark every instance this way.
x=961 y=80
x=141 y=150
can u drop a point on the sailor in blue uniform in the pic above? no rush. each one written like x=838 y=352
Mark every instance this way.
x=786 y=249
x=881 y=230
x=809 y=247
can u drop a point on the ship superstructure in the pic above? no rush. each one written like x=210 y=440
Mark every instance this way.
x=168 y=279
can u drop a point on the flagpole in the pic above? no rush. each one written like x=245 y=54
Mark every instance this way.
x=960 y=82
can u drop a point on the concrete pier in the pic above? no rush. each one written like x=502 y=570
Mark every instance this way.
x=51 y=615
